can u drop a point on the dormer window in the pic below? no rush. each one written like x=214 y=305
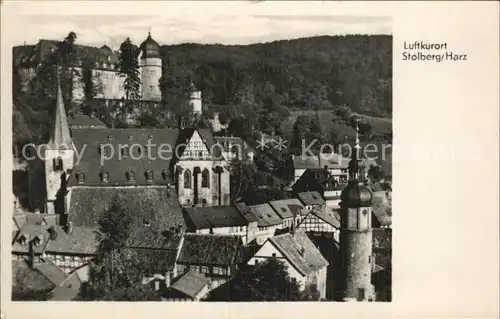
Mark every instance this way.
x=164 y=174
x=80 y=176
x=110 y=138
x=146 y=222
x=149 y=175
x=104 y=177
x=23 y=239
x=104 y=65
x=150 y=137
x=58 y=164
x=109 y=58
x=38 y=240
x=131 y=176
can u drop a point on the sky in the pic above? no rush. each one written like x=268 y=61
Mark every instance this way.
x=222 y=22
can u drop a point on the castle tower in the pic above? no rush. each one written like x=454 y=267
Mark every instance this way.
x=356 y=234
x=151 y=69
x=195 y=99
x=58 y=157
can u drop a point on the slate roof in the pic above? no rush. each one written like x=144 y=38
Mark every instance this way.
x=214 y=217
x=190 y=283
x=85 y=121
x=157 y=205
x=311 y=198
x=266 y=216
x=118 y=166
x=287 y=208
x=163 y=154
x=215 y=250
x=300 y=252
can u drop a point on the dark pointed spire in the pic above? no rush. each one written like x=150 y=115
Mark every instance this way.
x=61 y=138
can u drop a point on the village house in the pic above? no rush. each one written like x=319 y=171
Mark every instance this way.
x=303 y=260
x=218 y=257
x=322 y=181
x=235 y=219
x=268 y=221
x=291 y=211
x=190 y=286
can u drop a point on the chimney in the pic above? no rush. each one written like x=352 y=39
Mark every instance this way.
x=167 y=279
x=69 y=228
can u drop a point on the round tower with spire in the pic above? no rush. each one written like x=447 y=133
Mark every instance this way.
x=195 y=99
x=151 y=69
x=356 y=236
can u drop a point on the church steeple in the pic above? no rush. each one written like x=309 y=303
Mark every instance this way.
x=60 y=138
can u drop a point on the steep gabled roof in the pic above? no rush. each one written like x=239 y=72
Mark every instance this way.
x=311 y=198
x=299 y=251
x=60 y=138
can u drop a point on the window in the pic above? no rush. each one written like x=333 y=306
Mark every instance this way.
x=205 y=178
x=204 y=201
x=58 y=164
x=131 y=176
x=187 y=179
x=274 y=255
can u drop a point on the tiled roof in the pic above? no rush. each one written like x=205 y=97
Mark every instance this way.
x=311 y=198
x=190 y=283
x=328 y=216
x=26 y=277
x=156 y=261
x=82 y=240
x=86 y=121
x=287 y=208
x=35 y=219
x=299 y=251
x=30 y=232
x=214 y=217
x=157 y=205
x=266 y=216
x=53 y=273
x=382 y=208
x=216 y=250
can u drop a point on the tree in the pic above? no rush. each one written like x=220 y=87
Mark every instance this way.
x=242 y=176
x=116 y=275
x=129 y=68
x=268 y=281
x=376 y=173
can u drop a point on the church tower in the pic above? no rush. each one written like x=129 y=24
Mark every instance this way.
x=151 y=69
x=356 y=234
x=195 y=99
x=58 y=158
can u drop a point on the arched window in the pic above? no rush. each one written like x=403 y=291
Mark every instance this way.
x=187 y=179
x=205 y=178
x=58 y=164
